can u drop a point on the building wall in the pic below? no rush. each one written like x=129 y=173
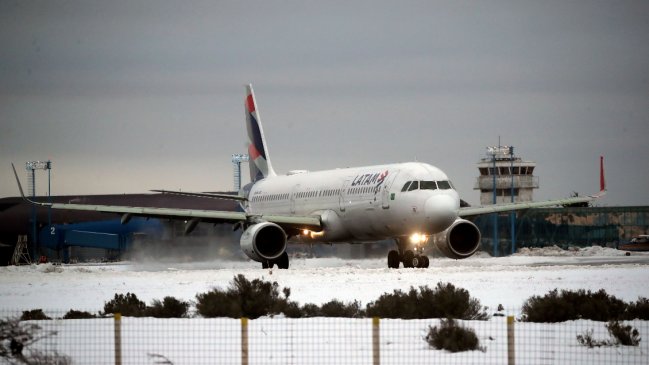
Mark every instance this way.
x=565 y=227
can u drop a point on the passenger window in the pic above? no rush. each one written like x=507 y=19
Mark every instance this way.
x=405 y=186
x=414 y=186
x=444 y=185
x=427 y=185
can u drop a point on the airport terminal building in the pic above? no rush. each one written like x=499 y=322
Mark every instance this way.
x=564 y=227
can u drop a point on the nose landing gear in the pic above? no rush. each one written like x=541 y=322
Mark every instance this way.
x=408 y=256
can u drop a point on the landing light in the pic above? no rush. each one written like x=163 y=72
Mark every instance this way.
x=417 y=238
x=311 y=234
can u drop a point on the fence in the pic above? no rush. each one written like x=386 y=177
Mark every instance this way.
x=126 y=340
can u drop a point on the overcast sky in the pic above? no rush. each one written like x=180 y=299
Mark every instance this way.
x=129 y=96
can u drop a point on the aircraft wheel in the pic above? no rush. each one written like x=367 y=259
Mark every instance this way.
x=424 y=262
x=282 y=261
x=393 y=259
x=408 y=258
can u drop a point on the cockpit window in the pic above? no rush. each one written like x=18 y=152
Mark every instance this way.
x=427 y=185
x=405 y=187
x=414 y=186
x=444 y=185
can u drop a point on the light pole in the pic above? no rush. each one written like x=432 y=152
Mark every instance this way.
x=31 y=167
x=493 y=151
x=512 y=216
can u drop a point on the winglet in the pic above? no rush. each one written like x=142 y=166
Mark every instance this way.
x=22 y=193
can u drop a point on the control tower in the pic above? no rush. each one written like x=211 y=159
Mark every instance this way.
x=512 y=177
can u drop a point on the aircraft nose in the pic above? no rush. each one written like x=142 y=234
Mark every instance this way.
x=441 y=211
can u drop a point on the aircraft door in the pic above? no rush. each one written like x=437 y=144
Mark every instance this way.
x=386 y=196
x=342 y=197
x=296 y=188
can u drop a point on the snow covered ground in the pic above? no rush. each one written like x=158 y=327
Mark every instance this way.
x=508 y=281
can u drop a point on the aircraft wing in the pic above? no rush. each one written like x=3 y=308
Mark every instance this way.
x=204 y=195
x=497 y=208
x=213 y=216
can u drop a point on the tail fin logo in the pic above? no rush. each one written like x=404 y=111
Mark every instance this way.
x=260 y=166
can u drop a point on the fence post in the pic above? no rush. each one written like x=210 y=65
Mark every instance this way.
x=118 y=338
x=376 y=341
x=244 y=341
x=511 y=350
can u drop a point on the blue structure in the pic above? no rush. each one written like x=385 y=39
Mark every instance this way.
x=109 y=235
x=566 y=227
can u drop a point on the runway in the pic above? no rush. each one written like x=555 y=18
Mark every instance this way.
x=508 y=280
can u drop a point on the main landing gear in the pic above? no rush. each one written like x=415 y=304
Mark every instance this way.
x=281 y=262
x=409 y=256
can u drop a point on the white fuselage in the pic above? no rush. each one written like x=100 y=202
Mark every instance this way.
x=363 y=203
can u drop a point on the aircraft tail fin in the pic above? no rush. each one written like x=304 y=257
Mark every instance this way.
x=260 y=166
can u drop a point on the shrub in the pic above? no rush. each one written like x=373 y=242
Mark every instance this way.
x=445 y=301
x=243 y=298
x=452 y=337
x=570 y=305
x=215 y=303
x=292 y=310
x=170 y=307
x=638 y=309
x=310 y=310
x=34 y=315
x=336 y=308
x=255 y=298
x=127 y=305
x=587 y=339
x=74 y=314
x=623 y=335
x=17 y=336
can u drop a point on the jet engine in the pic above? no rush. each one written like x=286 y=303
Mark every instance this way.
x=460 y=240
x=264 y=241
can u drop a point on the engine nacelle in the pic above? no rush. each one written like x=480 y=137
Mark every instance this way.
x=263 y=241
x=458 y=241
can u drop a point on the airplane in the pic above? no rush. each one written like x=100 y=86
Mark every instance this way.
x=413 y=203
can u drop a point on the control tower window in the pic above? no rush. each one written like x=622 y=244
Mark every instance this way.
x=484 y=171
